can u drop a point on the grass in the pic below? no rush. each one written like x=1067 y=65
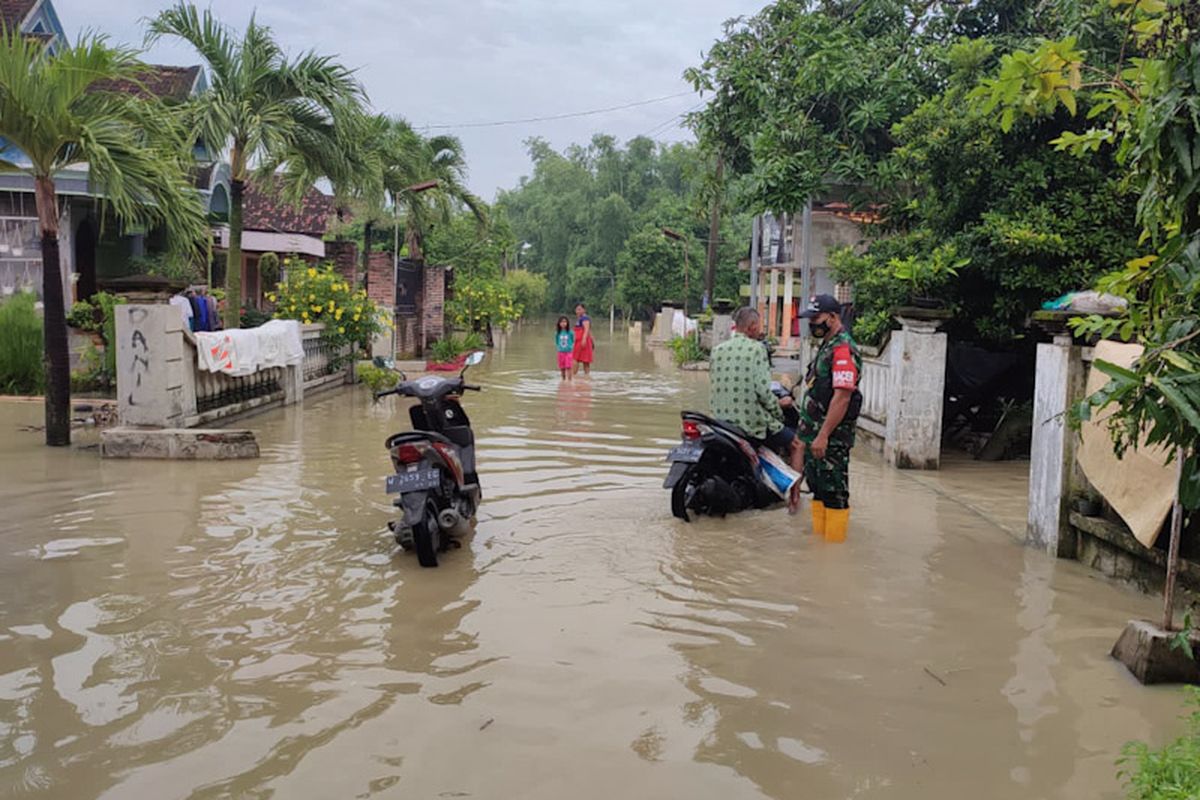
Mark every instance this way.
x=21 y=370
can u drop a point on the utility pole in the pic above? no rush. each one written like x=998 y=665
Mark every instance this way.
x=714 y=230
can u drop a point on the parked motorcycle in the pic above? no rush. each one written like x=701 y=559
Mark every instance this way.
x=435 y=477
x=715 y=469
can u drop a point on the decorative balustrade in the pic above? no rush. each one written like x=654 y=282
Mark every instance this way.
x=876 y=389
x=215 y=390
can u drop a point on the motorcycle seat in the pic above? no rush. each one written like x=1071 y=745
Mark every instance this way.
x=728 y=427
x=415 y=436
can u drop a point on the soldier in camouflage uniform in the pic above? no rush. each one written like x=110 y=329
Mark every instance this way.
x=827 y=417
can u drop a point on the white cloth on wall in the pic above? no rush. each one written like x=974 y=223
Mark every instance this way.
x=241 y=352
x=185 y=308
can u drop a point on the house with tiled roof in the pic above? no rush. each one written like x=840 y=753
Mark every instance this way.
x=34 y=18
x=92 y=248
x=273 y=224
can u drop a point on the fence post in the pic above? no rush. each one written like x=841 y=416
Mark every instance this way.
x=914 y=423
x=1059 y=382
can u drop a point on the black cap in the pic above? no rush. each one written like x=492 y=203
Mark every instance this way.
x=821 y=304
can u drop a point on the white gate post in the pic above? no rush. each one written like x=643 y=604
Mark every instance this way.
x=1058 y=384
x=914 y=424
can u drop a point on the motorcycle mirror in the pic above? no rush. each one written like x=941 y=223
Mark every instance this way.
x=476 y=358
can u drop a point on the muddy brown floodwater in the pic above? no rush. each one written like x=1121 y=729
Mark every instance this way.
x=213 y=630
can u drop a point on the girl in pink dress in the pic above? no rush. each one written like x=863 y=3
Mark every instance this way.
x=564 y=342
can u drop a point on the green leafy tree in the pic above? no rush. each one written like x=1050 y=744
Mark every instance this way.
x=277 y=116
x=59 y=110
x=1147 y=107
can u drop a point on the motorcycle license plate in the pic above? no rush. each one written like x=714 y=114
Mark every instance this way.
x=417 y=481
x=688 y=453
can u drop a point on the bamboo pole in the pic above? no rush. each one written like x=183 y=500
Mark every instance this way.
x=1173 y=552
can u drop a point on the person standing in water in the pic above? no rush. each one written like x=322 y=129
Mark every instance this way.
x=585 y=346
x=564 y=342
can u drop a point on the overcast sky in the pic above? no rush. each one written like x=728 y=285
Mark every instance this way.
x=465 y=61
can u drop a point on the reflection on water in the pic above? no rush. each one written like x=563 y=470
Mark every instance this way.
x=175 y=630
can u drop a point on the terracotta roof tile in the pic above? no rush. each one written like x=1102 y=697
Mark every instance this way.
x=168 y=83
x=264 y=209
x=14 y=12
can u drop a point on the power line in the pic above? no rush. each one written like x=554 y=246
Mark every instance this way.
x=666 y=124
x=571 y=115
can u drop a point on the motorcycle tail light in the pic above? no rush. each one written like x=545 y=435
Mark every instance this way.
x=406 y=454
x=691 y=430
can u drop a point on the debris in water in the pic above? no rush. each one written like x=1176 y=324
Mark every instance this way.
x=485 y=725
x=935 y=676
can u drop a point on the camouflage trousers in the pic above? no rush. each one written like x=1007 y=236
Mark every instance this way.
x=828 y=478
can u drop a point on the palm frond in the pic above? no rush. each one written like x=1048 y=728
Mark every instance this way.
x=203 y=31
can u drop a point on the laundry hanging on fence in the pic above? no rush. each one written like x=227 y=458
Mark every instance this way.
x=241 y=352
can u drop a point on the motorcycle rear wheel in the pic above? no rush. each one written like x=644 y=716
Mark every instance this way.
x=427 y=537
x=682 y=492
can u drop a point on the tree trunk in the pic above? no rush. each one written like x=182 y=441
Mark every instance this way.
x=714 y=231
x=56 y=355
x=413 y=241
x=233 y=260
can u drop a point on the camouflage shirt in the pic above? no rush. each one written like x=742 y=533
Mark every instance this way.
x=837 y=365
x=740 y=374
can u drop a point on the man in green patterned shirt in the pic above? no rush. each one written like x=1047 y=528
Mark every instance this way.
x=740 y=393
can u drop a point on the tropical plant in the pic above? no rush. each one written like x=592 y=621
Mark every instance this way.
x=449 y=349
x=279 y=117
x=62 y=109
x=427 y=179
x=322 y=294
x=20 y=346
x=1170 y=773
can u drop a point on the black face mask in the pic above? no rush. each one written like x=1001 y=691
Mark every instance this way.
x=819 y=329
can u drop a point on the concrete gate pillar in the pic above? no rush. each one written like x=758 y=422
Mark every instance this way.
x=1059 y=383
x=914 y=424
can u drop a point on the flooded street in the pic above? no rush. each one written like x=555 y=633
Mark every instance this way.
x=249 y=629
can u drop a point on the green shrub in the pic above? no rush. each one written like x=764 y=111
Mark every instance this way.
x=253 y=318
x=687 y=349
x=85 y=317
x=450 y=348
x=1172 y=773
x=21 y=370
x=376 y=378
x=106 y=303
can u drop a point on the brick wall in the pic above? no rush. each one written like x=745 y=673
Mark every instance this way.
x=344 y=256
x=433 y=303
x=381 y=279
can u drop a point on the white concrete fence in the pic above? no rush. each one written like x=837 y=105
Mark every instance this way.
x=159 y=382
x=903 y=383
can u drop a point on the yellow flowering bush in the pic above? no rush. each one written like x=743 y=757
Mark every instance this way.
x=314 y=294
x=480 y=300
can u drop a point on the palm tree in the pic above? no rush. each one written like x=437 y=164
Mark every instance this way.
x=413 y=163
x=274 y=114
x=61 y=111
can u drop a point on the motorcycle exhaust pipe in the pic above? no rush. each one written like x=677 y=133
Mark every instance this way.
x=449 y=519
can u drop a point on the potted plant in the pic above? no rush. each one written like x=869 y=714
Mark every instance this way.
x=925 y=276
